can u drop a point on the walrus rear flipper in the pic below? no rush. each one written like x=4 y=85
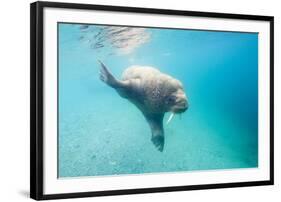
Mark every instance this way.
x=109 y=79
x=156 y=125
x=106 y=76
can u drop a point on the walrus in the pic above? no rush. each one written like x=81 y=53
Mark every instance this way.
x=152 y=92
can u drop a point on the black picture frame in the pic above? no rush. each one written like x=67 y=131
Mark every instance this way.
x=37 y=99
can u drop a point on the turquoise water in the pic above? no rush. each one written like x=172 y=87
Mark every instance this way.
x=101 y=133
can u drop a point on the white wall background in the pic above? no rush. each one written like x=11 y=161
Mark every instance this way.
x=14 y=100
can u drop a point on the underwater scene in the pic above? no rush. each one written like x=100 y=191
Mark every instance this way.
x=137 y=100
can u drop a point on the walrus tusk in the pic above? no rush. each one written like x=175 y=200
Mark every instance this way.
x=170 y=118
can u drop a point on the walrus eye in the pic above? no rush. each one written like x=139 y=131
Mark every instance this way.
x=171 y=99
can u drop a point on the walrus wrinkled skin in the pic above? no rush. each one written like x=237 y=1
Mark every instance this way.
x=153 y=92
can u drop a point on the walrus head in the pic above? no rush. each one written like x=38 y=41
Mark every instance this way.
x=177 y=102
x=175 y=99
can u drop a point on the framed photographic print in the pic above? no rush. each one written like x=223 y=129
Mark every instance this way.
x=131 y=100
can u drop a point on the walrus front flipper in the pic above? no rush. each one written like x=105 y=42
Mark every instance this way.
x=109 y=79
x=155 y=122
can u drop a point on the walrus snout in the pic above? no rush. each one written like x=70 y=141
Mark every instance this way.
x=180 y=109
x=181 y=104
